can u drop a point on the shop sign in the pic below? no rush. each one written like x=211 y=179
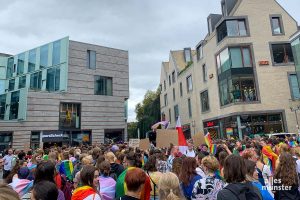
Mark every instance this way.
x=210 y=124
x=263 y=62
x=52 y=136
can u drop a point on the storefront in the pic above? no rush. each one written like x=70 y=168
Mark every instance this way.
x=246 y=125
x=59 y=138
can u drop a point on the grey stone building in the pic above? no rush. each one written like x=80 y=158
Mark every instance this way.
x=64 y=92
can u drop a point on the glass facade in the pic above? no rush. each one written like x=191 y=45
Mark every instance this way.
x=44 y=56
x=56 y=53
x=11 y=85
x=296 y=54
x=103 y=85
x=14 y=106
x=10 y=67
x=2 y=106
x=53 y=79
x=22 y=81
x=20 y=66
x=232 y=28
x=36 y=81
x=31 y=60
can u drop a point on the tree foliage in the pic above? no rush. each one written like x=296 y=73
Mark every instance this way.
x=148 y=111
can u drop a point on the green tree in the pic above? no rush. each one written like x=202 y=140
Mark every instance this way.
x=132 y=129
x=148 y=111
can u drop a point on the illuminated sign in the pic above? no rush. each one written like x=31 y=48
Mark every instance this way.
x=210 y=124
x=263 y=62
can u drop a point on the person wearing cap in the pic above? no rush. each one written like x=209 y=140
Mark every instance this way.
x=20 y=183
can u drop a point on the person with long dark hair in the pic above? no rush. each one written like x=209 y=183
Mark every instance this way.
x=188 y=176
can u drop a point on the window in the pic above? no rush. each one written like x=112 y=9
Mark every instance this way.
x=11 y=85
x=103 y=85
x=166 y=99
x=174 y=96
x=56 y=53
x=69 y=115
x=160 y=87
x=10 y=67
x=2 y=86
x=20 y=67
x=234 y=57
x=91 y=59
x=204 y=101
x=276 y=25
x=180 y=88
x=169 y=80
x=282 y=53
x=204 y=73
x=173 y=77
x=44 y=56
x=294 y=87
x=199 y=52
x=176 y=112
x=170 y=116
x=2 y=106
x=36 y=81
x=165 y=85
x=31 y=60
x=14 y=105
x=187 y=55
x=189 y=83
x=22 y=82
x=190 y=107
x=53 y=79
x=232 y=28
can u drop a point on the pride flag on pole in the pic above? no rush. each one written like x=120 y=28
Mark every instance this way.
x=181 y=139
x=212 y=147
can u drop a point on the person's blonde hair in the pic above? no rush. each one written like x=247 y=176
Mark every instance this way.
x=110 y=157
x=169 y=187
x=211 y=163
x=87 y=160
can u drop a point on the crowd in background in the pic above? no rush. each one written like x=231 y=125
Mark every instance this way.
x=260 y=168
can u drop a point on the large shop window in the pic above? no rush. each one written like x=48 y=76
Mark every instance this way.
x=237 y=88
x=36 y=81
x=91 y=59
x=5 y=140
x=294 y=87
x=282 y=53
x=14 y=105
x=56 y=53
x=204 y=101
x=20 y=67
x=10 y=67
x=31 y=60
x=69 y=116
x=2 y=106
x=53 y=79
x=189 y=83
x=103 y=85
x=234 y=57
x=44 y=56
x=232 y=28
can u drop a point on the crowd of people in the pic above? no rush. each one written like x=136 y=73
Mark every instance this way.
x=260 y=168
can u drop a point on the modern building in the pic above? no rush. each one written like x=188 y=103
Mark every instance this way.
x=63 y=92
x=241 y=80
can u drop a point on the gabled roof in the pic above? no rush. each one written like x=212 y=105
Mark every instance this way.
x=178 y=57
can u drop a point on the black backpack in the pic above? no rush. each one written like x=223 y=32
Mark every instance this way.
x=250 y=193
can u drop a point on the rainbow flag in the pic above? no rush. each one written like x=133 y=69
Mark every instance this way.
x=213 y=149
x=82 y=192
x=121 y=188
x=66 y=168
x=218 y=175
x=208 y=140
x=293 y=144
x=269 y=157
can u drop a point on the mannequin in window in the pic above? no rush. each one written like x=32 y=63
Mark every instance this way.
x=246 y=94
x=236 y=93
x=251 y=94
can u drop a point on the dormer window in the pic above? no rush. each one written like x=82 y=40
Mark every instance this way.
x=232 y=28
x=187 y=55
x=199 y=52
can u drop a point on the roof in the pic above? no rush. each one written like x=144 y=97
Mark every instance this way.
x=179 y=59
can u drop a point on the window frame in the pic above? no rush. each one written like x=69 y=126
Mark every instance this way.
x=176 y=108
x=272 y=56
x=190 y=108
x=166 y=99
x=39 y=81
x=187 y=83
x=21 y=78
x=96 y=90
x=55 y=79
x=180 y=89
x=173 y=77
x=204 y=110
x=204 y=73
x=279 y=16
x=290 y=84
x=89 y=66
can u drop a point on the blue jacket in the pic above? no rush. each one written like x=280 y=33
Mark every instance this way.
x=264 y=192
x=187 y=190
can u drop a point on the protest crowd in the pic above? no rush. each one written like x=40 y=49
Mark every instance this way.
x=231 y=169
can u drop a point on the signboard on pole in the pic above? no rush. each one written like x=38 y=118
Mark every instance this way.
x=134 y=143
x=144 y=144
x=198 y=139
x=166 y=136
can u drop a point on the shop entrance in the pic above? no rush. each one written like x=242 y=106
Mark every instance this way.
x=113 y=135
x=47 y=145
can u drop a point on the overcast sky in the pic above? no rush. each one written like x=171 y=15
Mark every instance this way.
x=147 y=29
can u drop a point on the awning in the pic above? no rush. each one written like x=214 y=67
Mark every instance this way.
x=52 y=136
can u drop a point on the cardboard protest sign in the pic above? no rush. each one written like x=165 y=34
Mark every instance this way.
x=145 y=144
x=198 y=139
x=134 y=143
x=165 y=136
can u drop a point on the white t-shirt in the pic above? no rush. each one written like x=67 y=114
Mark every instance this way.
x=7 y=162
x=298 y=166
x=189 y=153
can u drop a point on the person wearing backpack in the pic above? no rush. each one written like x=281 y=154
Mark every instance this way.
x=238 y=188
x=209 y=185
x=154 y=175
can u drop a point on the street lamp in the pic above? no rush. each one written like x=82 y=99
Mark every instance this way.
x=295 y=109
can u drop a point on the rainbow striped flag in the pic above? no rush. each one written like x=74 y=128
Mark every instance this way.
x=269 y=157
x=121 y=188
x=293 y=144
x=66 y=168
x=83 y=192
x=213 y=149
x=208 y=140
